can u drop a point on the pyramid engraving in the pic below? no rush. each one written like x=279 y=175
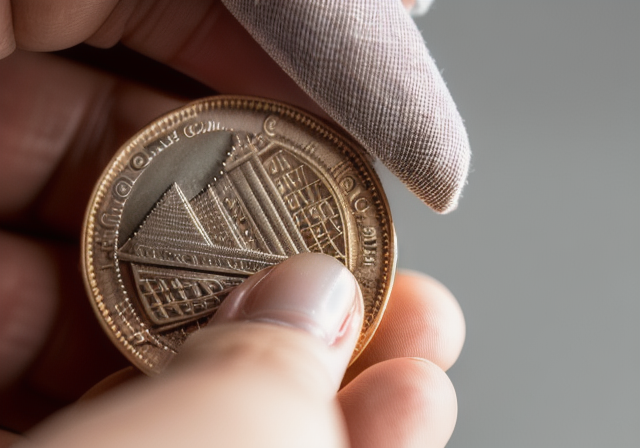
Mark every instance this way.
x=188 y=254
x=172 y=223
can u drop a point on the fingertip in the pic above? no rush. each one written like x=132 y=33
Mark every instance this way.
x=426 y=299
x=423 y=319
x=6 y=48
x=309 y=291
x=304 y=313
x=7 y=39
x=400 y=402
x=42 y=25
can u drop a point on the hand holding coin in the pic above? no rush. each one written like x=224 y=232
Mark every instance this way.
x=255 y=371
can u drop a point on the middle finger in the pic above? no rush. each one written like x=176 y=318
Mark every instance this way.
x=422 y=320
x=59 y=126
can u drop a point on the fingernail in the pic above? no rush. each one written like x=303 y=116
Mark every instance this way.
x=312 y=292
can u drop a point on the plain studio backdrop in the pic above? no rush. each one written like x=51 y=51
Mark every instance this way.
x=543 y=252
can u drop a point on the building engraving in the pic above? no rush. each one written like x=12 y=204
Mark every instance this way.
x=268 y=204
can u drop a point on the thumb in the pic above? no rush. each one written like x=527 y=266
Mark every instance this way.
x=263 y=373
x=310 y=292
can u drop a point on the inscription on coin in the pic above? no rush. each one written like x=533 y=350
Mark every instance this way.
x=212 y=193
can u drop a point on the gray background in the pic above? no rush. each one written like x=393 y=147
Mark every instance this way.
x=543 y=252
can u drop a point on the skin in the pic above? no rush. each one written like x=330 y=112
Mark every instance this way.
x=59 y=125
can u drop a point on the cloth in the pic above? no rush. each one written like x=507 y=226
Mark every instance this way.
x=365 y=63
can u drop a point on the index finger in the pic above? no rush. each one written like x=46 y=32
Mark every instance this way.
x=199 y=38
x=363 y=63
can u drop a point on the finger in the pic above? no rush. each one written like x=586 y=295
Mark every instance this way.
x=422 y=319
x=111 y=382
x=7 y=41
x=263 y=374
x=51 y=348
x=203 y=40
x=310 y=291
x=199 y=38
x=59 y=126
x=400 y=403
x=26 y=285
x=408 y=4
x=43 y=25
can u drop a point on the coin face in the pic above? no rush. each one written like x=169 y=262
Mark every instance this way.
x=213 y=192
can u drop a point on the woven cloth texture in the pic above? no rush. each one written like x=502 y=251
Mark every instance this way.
x=366 y=64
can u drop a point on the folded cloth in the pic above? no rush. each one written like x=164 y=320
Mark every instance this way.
x=365 y=63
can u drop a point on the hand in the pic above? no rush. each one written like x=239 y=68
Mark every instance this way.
x=59 y=124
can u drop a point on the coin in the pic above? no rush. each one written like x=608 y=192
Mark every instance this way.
x=213 y=192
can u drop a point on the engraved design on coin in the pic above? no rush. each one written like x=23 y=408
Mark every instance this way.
x=212 y=193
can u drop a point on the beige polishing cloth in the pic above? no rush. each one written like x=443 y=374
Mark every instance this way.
x=365 y=63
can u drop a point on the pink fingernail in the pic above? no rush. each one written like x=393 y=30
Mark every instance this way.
x=312 y=292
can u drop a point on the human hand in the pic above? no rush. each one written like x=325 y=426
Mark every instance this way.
x=59 y=124
x=253 y=378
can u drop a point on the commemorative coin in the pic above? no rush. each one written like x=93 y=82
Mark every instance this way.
x=213 y=192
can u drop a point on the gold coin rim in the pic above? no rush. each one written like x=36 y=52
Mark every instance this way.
x=361 y=160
